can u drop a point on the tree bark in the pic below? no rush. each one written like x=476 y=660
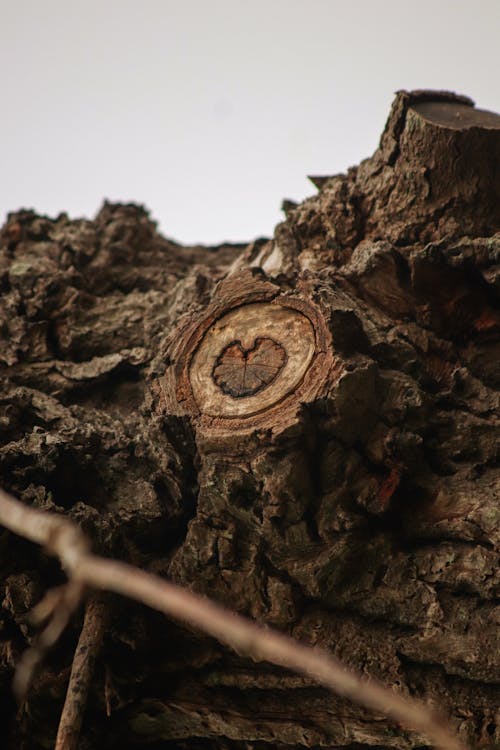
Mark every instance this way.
x=305 y=429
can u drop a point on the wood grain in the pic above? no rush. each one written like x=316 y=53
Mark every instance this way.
x=242 y=372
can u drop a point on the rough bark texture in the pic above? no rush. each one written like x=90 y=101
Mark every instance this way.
x=305 y=429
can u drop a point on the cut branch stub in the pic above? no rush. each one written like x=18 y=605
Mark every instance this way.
x=436 y=174
x=251 y=358
x=249 y=363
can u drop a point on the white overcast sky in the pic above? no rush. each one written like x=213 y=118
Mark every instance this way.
x=210 y=112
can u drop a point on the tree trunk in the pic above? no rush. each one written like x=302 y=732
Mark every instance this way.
x=305 y=429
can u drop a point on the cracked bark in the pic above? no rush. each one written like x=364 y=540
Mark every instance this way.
x=350 y=500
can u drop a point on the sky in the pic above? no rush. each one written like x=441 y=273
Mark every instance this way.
x=210 y=112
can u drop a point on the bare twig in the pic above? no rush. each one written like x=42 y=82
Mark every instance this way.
x=82 y=670
x=57 y=606
x=66 y=541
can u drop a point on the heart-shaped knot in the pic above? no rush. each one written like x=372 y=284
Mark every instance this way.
x=243 y=372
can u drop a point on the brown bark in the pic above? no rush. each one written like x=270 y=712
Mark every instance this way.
x=305 y=429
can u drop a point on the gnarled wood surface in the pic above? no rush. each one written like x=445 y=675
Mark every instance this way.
x=305 y=429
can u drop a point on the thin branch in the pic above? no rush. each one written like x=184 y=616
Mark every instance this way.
x=66 y=541
x=57 y=607
x=82 y=670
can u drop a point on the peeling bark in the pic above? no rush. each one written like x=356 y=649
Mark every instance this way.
x=347 y=494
